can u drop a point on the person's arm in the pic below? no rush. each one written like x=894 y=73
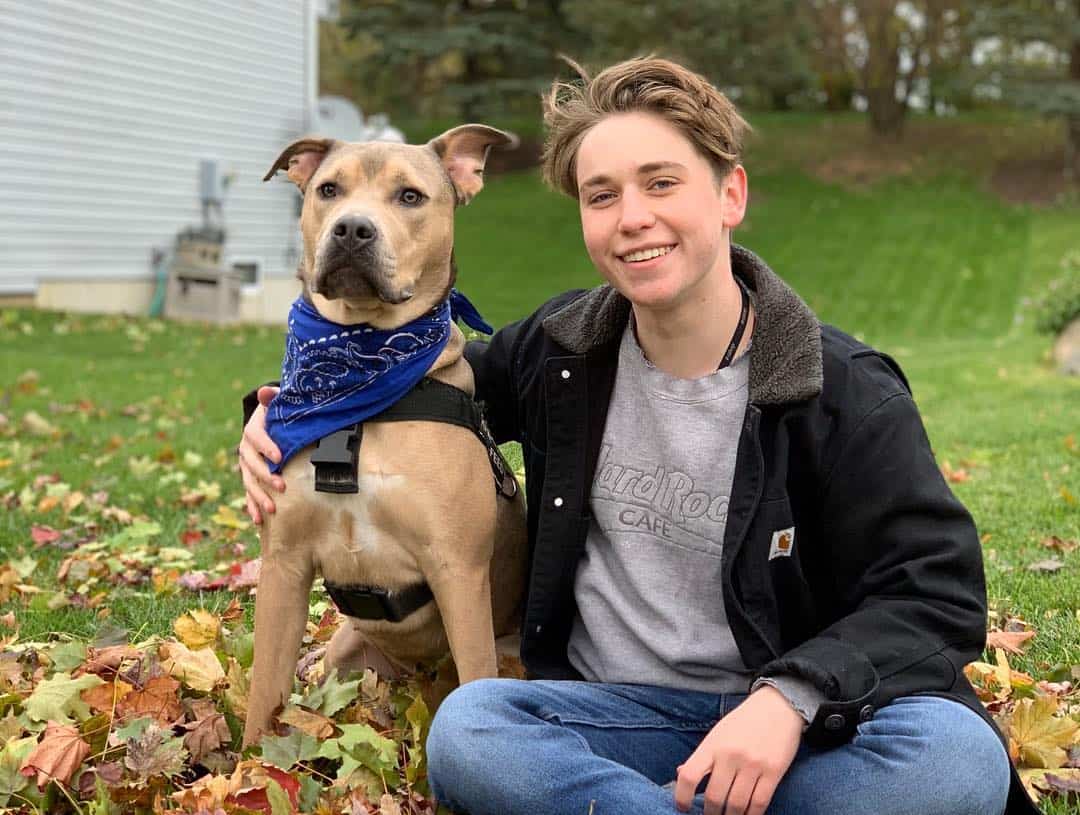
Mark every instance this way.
x=907 y=567
x=493 y=364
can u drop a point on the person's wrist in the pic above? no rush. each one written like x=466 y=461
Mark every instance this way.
x=780 y=707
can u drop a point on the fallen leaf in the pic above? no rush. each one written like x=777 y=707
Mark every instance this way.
x=109 y=773
x=57 y=698
x=106 y=697
x=37 y=425
x=197 y=628
x=1059 y=545
x=388 y=806
x=332 y=695
x=12 y=756
x=117 y=514
x=1009 y=640
x=245 y=575
x=228 y=517
x=285 y=752
x=28 y=381
x=1062 y=784
x=57 y=756
x=108 y=660
x=1049 y=565
x=310 y=722
x=9 y=581
x=236 y=694
x=252 y=778
x=190 y=537
x=156 y=752
x=233 y=612
x=48 y=504
x=142 y=466
x=42 y=535
x=159 y=699
x=199 y=670
x=207 y=794
x=205 y=735
x=1040 y=735
x=958 y=476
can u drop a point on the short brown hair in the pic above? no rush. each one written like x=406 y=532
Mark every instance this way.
x=646 y=85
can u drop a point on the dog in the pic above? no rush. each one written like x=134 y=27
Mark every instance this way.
x=377 y=227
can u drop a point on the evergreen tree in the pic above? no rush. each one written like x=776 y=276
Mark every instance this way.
x=1031 y=53
x=754 y=49
x=457 y=57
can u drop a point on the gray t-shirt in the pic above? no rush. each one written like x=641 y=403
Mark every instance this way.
x=648 y=589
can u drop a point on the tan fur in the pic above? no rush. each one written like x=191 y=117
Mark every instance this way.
x=427 y=509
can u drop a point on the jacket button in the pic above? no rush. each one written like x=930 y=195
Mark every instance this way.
x=867 y=713
x=565 y=374
x=557 y=502
x=834 y=722
x=539 y=628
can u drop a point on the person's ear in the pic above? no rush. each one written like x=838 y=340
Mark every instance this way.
x=734 y=192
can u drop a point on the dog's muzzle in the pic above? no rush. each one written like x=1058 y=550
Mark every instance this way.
x=358 y=276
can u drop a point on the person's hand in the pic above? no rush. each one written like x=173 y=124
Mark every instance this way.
x=258 y=481
x=746 y=754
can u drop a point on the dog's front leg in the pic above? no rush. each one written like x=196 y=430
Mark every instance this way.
x=281 y=607
x=464 y=600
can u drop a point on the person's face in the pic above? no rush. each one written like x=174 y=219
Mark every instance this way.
x=654 y=217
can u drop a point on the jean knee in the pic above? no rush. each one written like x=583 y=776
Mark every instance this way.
x=453 y=747
x=966 y=762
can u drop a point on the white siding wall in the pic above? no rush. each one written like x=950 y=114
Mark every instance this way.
x=106 y=107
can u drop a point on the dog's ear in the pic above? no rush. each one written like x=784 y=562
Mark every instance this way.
x=302 y=158
x=463 y=151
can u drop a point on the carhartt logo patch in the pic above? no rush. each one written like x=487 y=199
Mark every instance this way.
x=783 y=541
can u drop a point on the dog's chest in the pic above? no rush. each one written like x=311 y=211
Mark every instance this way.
x=369 y=537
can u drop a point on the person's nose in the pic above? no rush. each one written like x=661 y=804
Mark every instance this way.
x=635 y=213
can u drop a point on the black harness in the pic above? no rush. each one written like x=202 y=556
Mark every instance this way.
x=336 y=460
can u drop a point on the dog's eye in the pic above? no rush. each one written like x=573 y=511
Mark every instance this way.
x=328 y=190
x=410 y=197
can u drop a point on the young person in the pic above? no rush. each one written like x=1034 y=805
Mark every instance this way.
x=751 y=589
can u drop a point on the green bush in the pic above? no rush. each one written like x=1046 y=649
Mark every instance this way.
x=1059 y=303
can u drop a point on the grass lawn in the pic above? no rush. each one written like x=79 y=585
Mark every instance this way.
x=105 y=419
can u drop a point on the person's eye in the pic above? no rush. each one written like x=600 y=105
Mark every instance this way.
x=328 y=190
x=662 y=184
x=600 y=198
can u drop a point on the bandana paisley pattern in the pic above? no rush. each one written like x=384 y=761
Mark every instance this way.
x=334 y=376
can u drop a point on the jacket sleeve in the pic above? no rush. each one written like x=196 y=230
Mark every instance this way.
x=908 y=572
x=493 y=364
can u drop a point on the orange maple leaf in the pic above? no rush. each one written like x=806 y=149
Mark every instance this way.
x=57 y=756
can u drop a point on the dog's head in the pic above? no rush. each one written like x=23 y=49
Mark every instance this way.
x=378 y=219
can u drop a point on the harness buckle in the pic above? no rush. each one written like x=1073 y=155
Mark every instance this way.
x=336 y=458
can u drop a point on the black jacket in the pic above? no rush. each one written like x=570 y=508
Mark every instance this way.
x=884 y=593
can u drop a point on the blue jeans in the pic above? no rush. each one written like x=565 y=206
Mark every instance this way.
x=510 y=747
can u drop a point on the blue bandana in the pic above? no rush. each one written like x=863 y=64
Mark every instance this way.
x=334 y=376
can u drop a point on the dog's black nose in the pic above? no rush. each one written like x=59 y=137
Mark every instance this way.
x=354 y=231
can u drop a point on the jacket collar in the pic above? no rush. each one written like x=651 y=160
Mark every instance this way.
x=785 y=356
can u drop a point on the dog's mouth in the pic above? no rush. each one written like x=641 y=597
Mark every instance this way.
x=351 y=281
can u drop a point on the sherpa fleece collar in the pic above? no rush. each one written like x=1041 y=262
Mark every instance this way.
x=785 y=356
